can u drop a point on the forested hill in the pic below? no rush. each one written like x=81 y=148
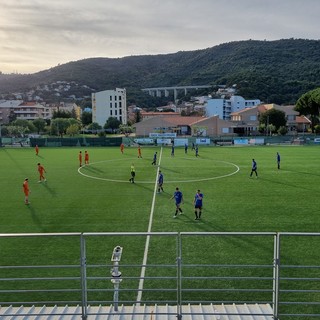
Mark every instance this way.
x=272 y=71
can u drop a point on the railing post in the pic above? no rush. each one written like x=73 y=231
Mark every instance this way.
x=276 y=275
x=179 y=277
x=83 y=263
x=116 y=275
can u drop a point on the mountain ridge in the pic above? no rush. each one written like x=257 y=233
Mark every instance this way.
x=278 y=71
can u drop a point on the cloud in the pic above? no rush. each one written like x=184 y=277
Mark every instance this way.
x=36 y=34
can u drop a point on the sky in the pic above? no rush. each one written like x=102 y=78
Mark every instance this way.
x=36 y=35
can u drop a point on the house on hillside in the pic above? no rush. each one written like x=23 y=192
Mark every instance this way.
x=246 y=121
x=303 y=124
x=32 y=110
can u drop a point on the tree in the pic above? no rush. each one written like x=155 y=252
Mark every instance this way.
x=274 y=117
x=27 y=124
x=282 y=130
x=4 y=131
x=19 y=131
x=72 y=121
x=12 y=116
x=20 y=123
x=309 y=105
x=61 y=114
x=86 y=103
x=73 y=113
x=125 y=129
x=138 y=117
x=86 y=118
x=39 y=124
x=112 y=123
x=72 y=130
x=262 y=128
x=94 y=126
x=59 y=126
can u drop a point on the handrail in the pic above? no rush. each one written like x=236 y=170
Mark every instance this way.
x=180 y=283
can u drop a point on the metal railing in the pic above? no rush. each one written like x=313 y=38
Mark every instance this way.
x=233 y=267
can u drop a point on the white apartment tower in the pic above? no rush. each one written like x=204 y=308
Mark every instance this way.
x=224 y=107
x=109 y=103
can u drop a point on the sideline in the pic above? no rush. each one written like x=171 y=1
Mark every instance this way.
x=146 y=248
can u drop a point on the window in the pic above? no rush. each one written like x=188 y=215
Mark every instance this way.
x=111 y=105
x=110 y=112
x=115 y=112
x=110 y=98
x=115 y=98
x=120 y=111
x=115 y=105
x=253 y=118
x=120 y=98
x=120 y=105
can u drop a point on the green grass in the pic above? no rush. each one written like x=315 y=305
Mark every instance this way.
x=103 y=200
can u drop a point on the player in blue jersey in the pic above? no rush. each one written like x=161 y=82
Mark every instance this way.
x=160 y=182
x=278 y=160
x=254 y=168
x=154 y=162
x=178 y=196
x=198 y=204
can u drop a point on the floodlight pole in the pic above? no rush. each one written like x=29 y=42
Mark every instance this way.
x=116 y=274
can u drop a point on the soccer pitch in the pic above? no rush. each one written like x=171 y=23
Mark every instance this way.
x=99 y=198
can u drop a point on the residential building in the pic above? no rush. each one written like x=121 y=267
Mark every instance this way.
x=173 y=123
x=291 y=115
x=67 y=107
x=303 y=124
x=224 y=107
x=246 y=121
x=147 y=115
x=31 y=110
x=109 y=103
x=6 y=108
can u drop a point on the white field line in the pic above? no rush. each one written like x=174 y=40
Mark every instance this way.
x=237 y=169
x=146 y=248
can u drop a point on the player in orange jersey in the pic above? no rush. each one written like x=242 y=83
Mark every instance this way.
x=37 y=150
x=121 y=147
x=80 y=159
x=41 y=171
x=86 y=157
x=139 y=152
x=26 y=191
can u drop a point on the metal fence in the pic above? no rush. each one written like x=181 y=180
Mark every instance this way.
x=92 y=269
